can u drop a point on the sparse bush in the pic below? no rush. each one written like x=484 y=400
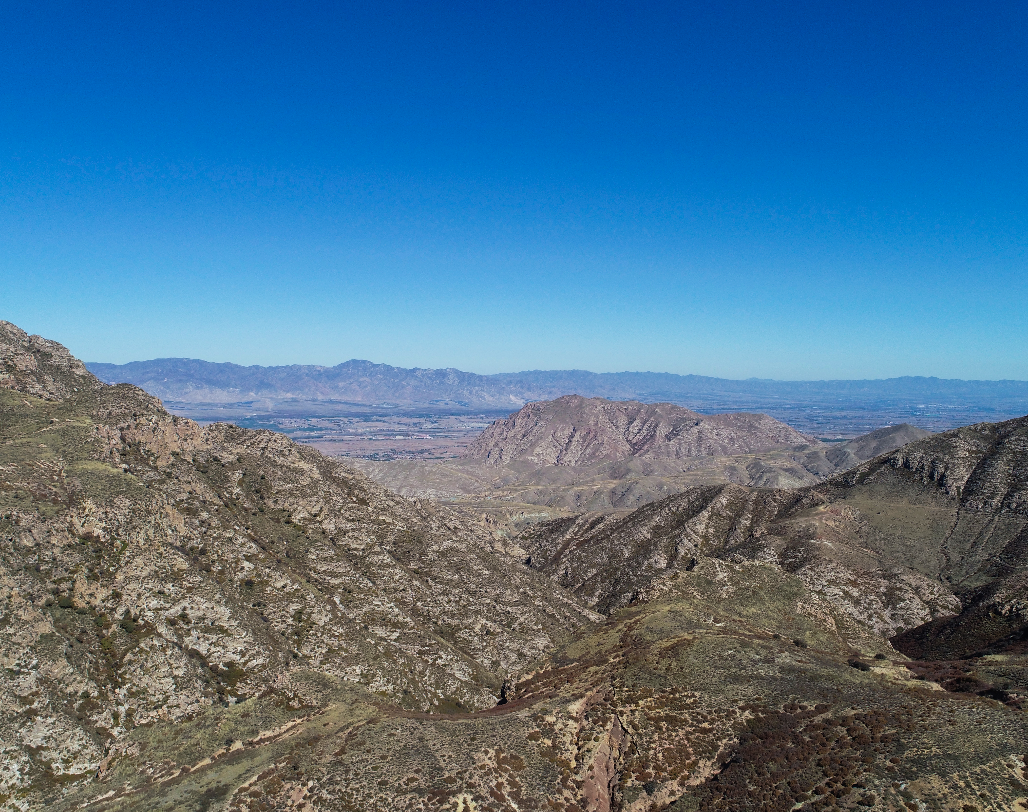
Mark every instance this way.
x=128 y=623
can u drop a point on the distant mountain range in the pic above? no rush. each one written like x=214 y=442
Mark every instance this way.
x=192 y=381
x=840 y=409
x=188 y=380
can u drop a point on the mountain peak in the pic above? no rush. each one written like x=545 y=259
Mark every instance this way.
x=575 y=430
x=38 y=366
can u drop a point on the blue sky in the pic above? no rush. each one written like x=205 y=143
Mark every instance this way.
x=794 y=190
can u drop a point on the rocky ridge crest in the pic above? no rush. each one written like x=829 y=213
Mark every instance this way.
x=40 y=367
x=935 y=532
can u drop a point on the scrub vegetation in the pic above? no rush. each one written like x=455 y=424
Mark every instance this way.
x=218 y=619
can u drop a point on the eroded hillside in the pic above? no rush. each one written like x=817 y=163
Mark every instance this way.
x=218 y=619
x=925 y=532
x=152 y=569
x=573 y=430
x=622 y=483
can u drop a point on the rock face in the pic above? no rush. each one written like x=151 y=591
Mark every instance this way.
x=216 y=619
x=40 y=367
x=573 y=430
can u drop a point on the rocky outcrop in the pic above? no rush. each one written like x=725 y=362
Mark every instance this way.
x=40 y=367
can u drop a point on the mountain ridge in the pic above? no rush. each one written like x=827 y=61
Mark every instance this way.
x=216 y=619
x=573 y=430
x=966 y=489
x=624 y=483
x=499 y=388
x=209 y=566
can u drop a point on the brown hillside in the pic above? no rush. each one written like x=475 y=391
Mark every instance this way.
x=218 y=620
x=935 y=533
x=573 y=430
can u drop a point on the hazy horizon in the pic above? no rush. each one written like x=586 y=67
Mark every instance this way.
x=529 y=371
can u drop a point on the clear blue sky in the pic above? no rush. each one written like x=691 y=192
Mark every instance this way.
x=787 y=190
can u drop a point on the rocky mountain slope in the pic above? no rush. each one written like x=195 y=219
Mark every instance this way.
x=624 y=483
x=573 y=430
x=218 y=619
x=152 y=568
x=929 y=541
x=873 y=444
x=737 y=689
